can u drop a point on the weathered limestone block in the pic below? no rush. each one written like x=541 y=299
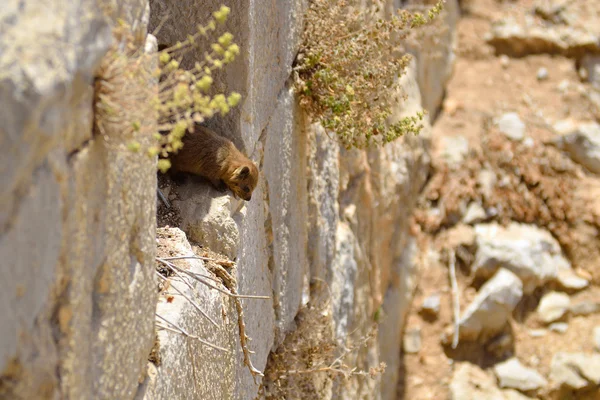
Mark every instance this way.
x=206 y=216
x=76 y=215
x=433 y=49
x=40 y=90
x=285 y=176
x=396 y=303
x=187 y=368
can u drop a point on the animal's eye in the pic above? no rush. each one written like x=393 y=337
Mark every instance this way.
x=246 y=189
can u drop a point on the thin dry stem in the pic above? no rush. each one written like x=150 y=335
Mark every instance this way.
x=185 y=333
x=455 y=298
x=192 y=302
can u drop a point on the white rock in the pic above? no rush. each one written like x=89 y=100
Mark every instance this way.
x=536 y=333
x=490 y=310
x=597 y=337
x=475 y=213
x=469 y=382
x=559 y=327
x=569 y=280
x=524 y=38
x=583 y=145
x=528 y=251
x=486 y=179
x=563 y=86
x=206 y=217
x=511 y=125
x=512 y=374
x=454 y=149
x=575 y=370
x=412 y=340
x=585 y=308
x=553 y=306
x=431 y=305
x=542 y=74
x=564 y=126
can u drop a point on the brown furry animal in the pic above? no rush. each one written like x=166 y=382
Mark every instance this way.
x=209 y=155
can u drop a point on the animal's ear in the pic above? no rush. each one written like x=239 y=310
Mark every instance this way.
x=243 y=172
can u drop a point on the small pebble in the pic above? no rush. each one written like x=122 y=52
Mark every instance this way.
x=412 y=340
x=542 y=74
x=504 y=60
x=559 y=327
x=537 y=332
x=431 y=306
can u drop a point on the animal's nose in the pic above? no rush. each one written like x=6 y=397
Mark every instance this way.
x=248 y=198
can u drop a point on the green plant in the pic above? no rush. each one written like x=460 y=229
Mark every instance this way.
x=348 y=69
x=182 y=99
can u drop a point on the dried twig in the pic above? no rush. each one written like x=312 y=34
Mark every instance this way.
x=163 y=198
x=178 y=329
x=455 y=298
x=199 y=277
x=225 y=263
x=196 y=306
x=230 y=283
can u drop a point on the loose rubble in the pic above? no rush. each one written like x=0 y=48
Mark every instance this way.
x=514 y=375
x=528 y=251
x=553 y=306
x=511 y=125
x=490 y=310
x=576 y=371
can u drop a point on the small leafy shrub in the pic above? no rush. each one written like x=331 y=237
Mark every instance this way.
x=123 y=86
x=348 y=69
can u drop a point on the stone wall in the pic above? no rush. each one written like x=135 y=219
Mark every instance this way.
x=77 y=218
x=77 y=214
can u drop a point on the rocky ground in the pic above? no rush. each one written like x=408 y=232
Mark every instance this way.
x=512 y=204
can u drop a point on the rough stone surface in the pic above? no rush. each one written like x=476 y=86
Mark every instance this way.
x=434 y=52
x=520 y=38
x=511 y=126
x=583 y=145
x=396 y=305
x=514 y=375
x=178 y=371
x=530 y=252
x=553 y=306
x=596 y=336
x=77 y=214
x=207 y=217
x=575 y=370
x=490 y=310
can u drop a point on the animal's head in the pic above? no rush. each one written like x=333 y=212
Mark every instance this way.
x=243 y=180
